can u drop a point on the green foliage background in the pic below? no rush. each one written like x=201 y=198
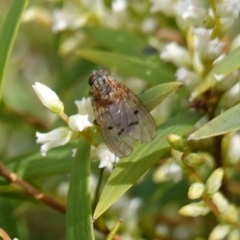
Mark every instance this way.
x=30 y=51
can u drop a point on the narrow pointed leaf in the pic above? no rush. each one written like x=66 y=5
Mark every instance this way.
x=8 y=35
x=118 y=40
x=130 y=169
x=79 y=217
x=224 y=123
x=155 y=95
x=228 y=65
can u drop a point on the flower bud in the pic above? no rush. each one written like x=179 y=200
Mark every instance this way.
x=230 y=215
x=219 y=232
x=196 y=190
x=177 y=142
x=48 y=98
x=220 y=201
x=214 y=181
x=233 y=235
x=193 y=160
x=194 y=210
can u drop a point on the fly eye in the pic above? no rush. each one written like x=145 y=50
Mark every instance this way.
x=91 y=79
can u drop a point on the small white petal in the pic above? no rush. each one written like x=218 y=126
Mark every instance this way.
x=85 y=107
x=79 y=122
x=68 y=17
x=169 y=170
x=74 y=152
x=235 y=42
x=188 y=78
x=194 y=14
x=230 y=8
x=226 y=23
x=119 y=5
x=48 y=98
x=164 y=6
x=55 y=138
x=218 y=77
x=207 y=47
x=59 y=21
x=176 y=54
x=190 y=13
x=107 y=158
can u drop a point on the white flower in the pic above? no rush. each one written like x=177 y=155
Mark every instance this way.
x=188 y=78
x=226 y=23
x=85 y=107
x=178 y=55
x=59 y=20
x=235 y=42
x=190 y=13
x=168 y=170
x=234 y=150
x=228 y=8
x=149 y=25
x=68 y=18
x=164 y=6
x=107 y=158
x=48 y=98
x=119 y=5
x=55 y=138
x=207 y=47
x=79 y=122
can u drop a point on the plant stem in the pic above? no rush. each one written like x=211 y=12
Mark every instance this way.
x=30 y=190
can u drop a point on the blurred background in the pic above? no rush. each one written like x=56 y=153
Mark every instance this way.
x=49 y=48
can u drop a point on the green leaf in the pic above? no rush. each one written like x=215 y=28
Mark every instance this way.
x=155 y=95
x=228 y=65
x=33 y=165
x=130 y=169
x=118 y=40
x=131 y=66
x=79 y=217
x=8 y=35
x=224 y=123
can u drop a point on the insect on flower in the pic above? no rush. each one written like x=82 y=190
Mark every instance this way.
x=121 y=116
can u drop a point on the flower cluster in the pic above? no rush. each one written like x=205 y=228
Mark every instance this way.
x=76 y=124
x=211 y=199
x=204 y=27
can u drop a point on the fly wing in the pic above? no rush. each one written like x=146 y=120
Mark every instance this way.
x=118 y=141
x=146 y=126
x=133 y=118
